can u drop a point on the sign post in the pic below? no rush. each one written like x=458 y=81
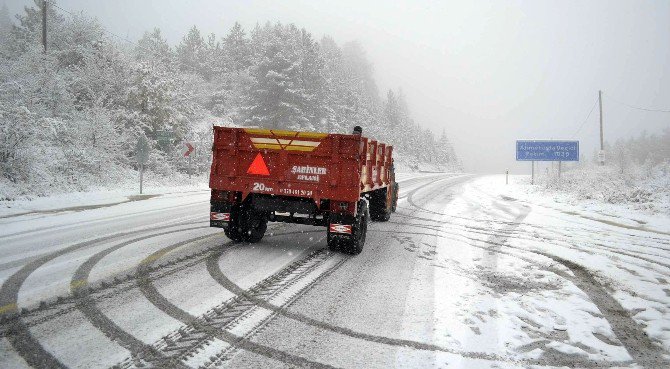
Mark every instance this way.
x=532 y=172
x=164 y=137
x=142 y=150
x=546 y=150
x=601 y=157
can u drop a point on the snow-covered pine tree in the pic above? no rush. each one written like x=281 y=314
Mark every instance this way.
x=285 y=81
x=192 y=54
x=5 y=29
x=90 y=97
x=231 y=85
x=153 y=48
x=237 y=50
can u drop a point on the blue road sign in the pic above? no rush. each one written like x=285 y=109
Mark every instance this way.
x=547 y=150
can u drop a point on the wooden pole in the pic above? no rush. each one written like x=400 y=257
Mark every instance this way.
x=44 y=25
x=602 y=145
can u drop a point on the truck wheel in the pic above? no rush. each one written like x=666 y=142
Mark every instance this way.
x=354 y=243
x=253 y=224
x=246 y=225
x=257 y=224
x=359 y=230
x=233 y=232
x=333 y=242
x=396 y=189
x=380 y=205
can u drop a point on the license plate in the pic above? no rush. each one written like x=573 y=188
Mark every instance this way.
x=219 y=216
x=340 y=228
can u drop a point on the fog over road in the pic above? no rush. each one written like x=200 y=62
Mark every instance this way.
x=461 y=276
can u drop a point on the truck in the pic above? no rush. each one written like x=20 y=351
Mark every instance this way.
x=338 y=181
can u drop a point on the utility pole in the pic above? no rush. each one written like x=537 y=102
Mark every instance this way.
x=44 y=25
x=532 y=172
x=601 y=155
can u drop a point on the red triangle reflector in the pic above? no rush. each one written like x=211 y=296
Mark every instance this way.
x=258 y=166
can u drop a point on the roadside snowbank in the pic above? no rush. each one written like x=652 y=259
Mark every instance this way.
x=638 y=200
x=122 y=192
x=112 y=193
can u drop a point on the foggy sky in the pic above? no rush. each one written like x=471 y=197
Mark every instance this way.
x=487 y=72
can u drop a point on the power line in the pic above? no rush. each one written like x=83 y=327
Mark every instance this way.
x=585 y=120
x=102 y=28
x=637 y=107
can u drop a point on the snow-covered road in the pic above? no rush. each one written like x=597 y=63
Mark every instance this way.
x=462 y=276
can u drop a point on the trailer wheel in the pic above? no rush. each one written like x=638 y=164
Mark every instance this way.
x=381 y=205
x=255 y=227
x=333 y=242
x=352 y=244
x=396 y=190
x=359 y=230
x=246 y=225
x=234 y=230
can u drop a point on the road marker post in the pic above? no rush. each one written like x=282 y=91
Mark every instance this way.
x=506 y=176
x=142 y=150
x=189 y=150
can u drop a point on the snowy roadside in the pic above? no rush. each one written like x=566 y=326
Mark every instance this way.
x=126 y=192
x=655 y=219
x=588 y=245
x=101 y=196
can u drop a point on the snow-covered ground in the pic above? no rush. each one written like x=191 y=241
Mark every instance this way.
x=78 y=201
x=637 y=196
x=468 y=273
x=599 y=198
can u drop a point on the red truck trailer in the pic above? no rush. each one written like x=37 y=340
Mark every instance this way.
x=334 y=180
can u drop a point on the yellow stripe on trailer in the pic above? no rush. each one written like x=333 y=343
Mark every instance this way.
x=268 y=146
x=258 y=131
x=312 y=135
x=284 y=133
x=299 y=148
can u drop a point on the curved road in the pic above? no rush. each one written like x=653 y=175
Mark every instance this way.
x=459 y=277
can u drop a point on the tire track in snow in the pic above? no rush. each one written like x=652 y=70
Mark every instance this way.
x=29 y=347
x=218 y=275
x=630 y=333
x=604 y=249
x=200 y=328
x=139 y=350
x=18 y=334
x=497 y=240
x=99 y=220
x=663 y=241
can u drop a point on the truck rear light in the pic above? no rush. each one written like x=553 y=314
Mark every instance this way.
x=223 y=195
